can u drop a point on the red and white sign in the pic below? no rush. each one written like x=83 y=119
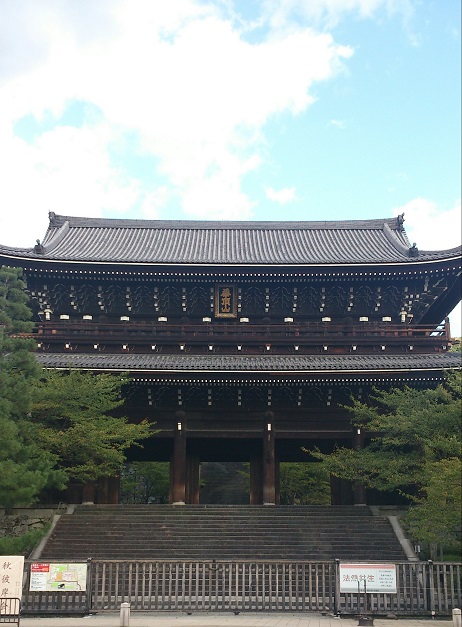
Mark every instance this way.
x=368 y=578
x=50 y=577
x=40 y=568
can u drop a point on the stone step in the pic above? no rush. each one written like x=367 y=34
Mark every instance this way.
x=154 y=524
x=242 y=510
x=223 y=532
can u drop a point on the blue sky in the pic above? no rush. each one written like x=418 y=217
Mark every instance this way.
x=222 y=109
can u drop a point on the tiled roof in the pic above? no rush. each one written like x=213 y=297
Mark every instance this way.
x=225 y=243
x=297 y=364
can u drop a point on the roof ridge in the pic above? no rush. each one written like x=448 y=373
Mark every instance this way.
x=57 y=221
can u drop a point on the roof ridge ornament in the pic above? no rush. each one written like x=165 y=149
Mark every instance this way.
x=413 y=251
x=400 y=221
x=38 y=248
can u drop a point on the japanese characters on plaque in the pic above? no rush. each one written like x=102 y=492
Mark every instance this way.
x=225 y=301
x=11 y=573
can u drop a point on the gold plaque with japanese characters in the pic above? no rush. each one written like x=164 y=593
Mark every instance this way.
x=225 y=301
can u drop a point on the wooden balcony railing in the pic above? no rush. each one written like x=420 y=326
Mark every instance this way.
x=232 y=334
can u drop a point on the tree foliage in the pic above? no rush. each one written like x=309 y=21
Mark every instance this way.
x=145 y=482
x=25 y=467
x=304 y=483
x=55 y=426
x=413 y=446
x=23 y=544
x=456 y=345
x=77 y=419
x=436 y=516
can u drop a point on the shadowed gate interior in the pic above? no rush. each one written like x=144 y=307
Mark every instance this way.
x=236 y=471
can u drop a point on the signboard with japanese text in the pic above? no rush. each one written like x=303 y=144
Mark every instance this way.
x=368 y=578
x=11 y=574
x=46 y=577
x=225 y=301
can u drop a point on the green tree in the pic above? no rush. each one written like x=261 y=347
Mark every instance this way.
x=145 y=482
x=78 y=419
x=456 y=345
x=413 y=446
x=25 y=467
x=304 y=483
x=435 y=518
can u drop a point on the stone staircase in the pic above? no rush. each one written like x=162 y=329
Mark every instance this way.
x=222 y=532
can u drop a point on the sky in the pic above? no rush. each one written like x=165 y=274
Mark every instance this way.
x=231 y=110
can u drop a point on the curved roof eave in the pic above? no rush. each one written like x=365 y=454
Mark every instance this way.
x=26 y=257
x=277 y=365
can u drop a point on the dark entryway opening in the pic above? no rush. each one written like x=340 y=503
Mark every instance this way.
x=224 y=483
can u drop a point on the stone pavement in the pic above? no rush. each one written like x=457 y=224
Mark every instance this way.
x=218 y=619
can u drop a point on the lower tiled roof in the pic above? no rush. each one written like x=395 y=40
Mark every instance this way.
x=277 y=364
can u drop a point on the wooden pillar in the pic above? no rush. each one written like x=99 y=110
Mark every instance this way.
x=88 y=492
x=114 y=490
x=103 y=490
x=179 y=462
x=269 y=465
x=359 y=491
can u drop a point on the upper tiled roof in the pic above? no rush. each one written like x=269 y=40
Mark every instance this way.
x=226 y=243
x=264 y=364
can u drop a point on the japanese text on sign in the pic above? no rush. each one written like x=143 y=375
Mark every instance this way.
x=58 y=577
x=368 y=578
x=11 y=572
x=225 y=301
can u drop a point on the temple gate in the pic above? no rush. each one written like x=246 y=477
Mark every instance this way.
x=243 y=341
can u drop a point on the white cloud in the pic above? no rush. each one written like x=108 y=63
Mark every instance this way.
x=340 y=124
x=66 y=170
x=429 y=226
x=433 y=228
x=153 y=202
x=216 y=198
x=330 y=12
x=281 y=196
x=181 y=76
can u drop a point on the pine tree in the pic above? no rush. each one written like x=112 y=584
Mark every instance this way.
x=25 y=467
